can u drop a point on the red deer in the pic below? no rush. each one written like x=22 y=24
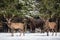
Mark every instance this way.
x=14 y=25
x=50 y=26
x=35 y=23
x=31 y=24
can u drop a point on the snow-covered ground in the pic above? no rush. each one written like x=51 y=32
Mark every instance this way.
x=29 y=36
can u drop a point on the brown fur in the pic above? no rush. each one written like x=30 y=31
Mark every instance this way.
x=51 y=25
x=16 y=26
x=19 y=26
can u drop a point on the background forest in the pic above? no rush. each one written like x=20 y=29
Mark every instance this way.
x=20 y=8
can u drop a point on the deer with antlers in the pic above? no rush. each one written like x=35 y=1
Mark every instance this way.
x=14 y=25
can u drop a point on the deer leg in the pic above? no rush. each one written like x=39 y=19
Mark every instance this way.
x=47 y=32
x=30 y=29
x=8 y=30
x=23 y=32
x=12 y=32
x=40 y=30
x=20 y=32
x=56 y=32
x=43 y=30
x=53 y=32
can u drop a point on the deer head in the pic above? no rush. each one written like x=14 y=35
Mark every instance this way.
x=8 y=19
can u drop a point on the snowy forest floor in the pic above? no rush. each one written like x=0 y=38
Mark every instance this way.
x=29 y=36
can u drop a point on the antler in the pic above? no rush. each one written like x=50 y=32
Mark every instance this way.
x=12 y=17
x=5 y=17
x=9 y=18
